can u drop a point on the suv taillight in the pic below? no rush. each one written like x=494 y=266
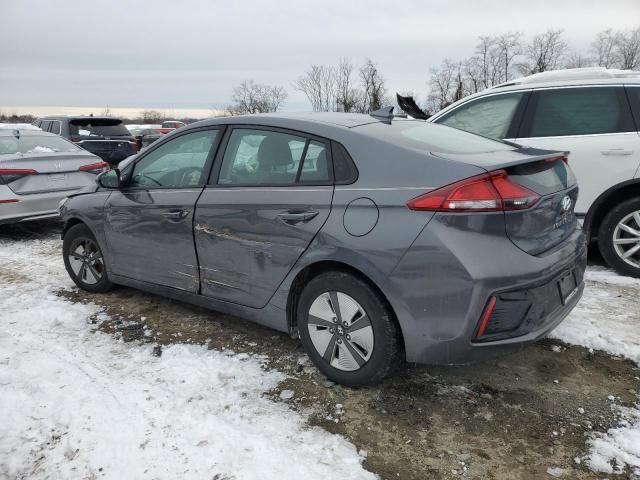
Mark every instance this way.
x=8 y=175
x=489 y=192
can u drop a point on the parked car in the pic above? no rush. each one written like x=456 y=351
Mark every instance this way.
x=373 y=239
x=595 y=114
x=171 y=125
x=38 y=170
x=106 y=137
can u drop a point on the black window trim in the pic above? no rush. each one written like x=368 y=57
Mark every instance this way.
x=215 y=172
x=206 y=170
x=634 y=103
x=527 y=121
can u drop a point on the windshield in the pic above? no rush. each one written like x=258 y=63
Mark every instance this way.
x=98 y=127
x=35 y=144
x=429 y=137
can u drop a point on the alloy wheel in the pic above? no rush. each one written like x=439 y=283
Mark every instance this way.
x=85 y=259
x=626 y=239
x=340 y=331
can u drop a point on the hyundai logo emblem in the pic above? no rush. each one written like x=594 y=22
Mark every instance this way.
x=566 y=203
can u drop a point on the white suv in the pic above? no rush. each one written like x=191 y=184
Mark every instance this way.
x=593 y=113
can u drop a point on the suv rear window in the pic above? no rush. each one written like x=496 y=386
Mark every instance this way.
x=97 y=127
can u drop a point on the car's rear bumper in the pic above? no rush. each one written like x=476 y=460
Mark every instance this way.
x=441 y=288
x=30 y=207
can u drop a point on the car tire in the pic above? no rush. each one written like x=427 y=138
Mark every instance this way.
x=618 y=243
x=84 y=260
x=357 y=344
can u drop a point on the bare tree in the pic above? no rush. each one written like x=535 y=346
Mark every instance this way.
x=604 y=49
x=575 y=60
x=374 y=87
x=251 y=97
x=545 y=52
x=488 y=60
x=151 y=116
x=508 y=46
x=348 y=97
x=319 y=86
x=106 y=112
x=628 y=49
x=443 y=85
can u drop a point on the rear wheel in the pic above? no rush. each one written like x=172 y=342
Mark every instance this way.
x=347 y=330
x=619 y=238
x=84 y=260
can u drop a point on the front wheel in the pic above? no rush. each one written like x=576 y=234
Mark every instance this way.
x=619 y=238
x=84 y=260
x=347 y=330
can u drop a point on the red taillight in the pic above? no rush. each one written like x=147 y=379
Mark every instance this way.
x=11 y=200
x=8 y=175
x=74 y=138
x=488 y=192
x=95 y=167
x=488 y=310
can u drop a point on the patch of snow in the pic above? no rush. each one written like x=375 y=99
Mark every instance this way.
x=18 y=126
x=607 y=317
x=556 y=472
x=77 y=403
x=40 y=149
x=611 y=452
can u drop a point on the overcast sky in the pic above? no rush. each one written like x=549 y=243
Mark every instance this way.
x=189 y=54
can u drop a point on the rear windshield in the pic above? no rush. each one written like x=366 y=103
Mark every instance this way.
x=430 y=137
x=98 y=127
x=35 y=144
x=543 y=177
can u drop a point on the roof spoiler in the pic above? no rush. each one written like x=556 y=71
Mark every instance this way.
x=409 y=105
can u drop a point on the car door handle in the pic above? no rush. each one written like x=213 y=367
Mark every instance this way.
x=617 y=151
x=298 y=217
x=176 y=214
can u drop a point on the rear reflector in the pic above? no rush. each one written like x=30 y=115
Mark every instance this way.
x=11 y=200
x=95 y=167
x=488 y=310
x=489 y=192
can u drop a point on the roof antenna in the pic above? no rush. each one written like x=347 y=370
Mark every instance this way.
x=385 y=114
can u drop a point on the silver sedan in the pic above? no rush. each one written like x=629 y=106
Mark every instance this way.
x=38 y=170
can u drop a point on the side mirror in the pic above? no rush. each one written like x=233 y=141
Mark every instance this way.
x=109 y=179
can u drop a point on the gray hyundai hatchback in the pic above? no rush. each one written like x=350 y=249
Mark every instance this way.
x=373 y=239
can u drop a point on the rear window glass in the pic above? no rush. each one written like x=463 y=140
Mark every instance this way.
x=97 y=127
x=544 y=178
x=35 y=144
x=430 y=137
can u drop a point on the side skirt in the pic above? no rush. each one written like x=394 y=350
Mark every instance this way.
x=269 y=316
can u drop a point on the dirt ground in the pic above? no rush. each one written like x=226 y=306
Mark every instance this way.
x=513 y=417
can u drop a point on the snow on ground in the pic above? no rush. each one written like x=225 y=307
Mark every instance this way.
x=18 y=126
x=77 y=403
x=608 y=318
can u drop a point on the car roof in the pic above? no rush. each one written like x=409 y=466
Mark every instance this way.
x=291 y=120
x=78 y=117
x=572 y=77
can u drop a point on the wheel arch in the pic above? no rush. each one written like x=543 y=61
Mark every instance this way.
x=605 y=202
x=317 y=268
x=72 y=222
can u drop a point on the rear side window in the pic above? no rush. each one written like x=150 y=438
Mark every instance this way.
x=488 y=116
x=268 y=158
x=97 y=127
x=634 y=98
x=579 y=111
x=55 y=127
